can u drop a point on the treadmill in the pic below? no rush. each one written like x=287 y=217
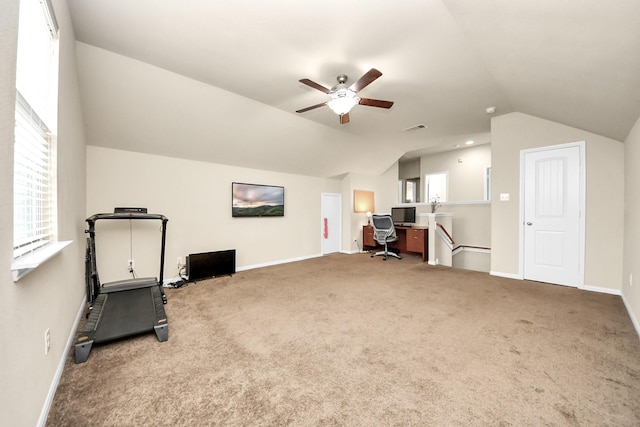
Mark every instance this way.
x=125 y=307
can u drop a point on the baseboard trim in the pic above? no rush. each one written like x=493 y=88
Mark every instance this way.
x=282 y=261
x=600 y=290
x=634 y=320
x=56 y=379
x=355 y=251
x=506 y=275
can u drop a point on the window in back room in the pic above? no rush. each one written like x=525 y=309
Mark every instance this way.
x=436 y=185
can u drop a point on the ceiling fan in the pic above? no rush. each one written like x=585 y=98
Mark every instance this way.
x=343 y=97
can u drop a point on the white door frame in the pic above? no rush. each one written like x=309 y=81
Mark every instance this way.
x=338 y=196
x=582 y=179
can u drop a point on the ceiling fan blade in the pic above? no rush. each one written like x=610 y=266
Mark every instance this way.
x=313 y=107
x=344 y=119
x=375 y=103
x=365 y=80
x=315 y=85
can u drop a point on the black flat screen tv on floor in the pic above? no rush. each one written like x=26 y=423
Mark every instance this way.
x=211 y=264
x=250 y=200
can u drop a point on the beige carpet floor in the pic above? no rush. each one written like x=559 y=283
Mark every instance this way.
x=347 y=340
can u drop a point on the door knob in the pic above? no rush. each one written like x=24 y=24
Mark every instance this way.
x=529 y=223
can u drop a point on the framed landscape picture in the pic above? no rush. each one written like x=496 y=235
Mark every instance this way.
x=251 y=200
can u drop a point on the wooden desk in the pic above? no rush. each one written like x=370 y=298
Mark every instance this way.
x=410 y=240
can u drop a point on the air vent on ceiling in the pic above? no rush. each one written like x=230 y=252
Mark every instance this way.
x=416 y=127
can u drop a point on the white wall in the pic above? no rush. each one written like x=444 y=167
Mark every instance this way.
x=471 y=226
x=514 y=132
x=465 y=168
x=139 y=107
x=409 y=169
x=51 y=296
x=631 y=292
x=471 y=222
x=196 y=197
x=385 y=195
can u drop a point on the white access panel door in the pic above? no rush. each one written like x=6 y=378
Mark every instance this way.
x=331 y=226
x=552 y=246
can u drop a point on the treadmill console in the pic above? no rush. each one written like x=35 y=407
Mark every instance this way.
x=127 y=210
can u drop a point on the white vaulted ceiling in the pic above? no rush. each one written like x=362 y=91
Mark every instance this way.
x=218 y=81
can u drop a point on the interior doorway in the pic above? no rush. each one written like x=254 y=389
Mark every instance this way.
x=552 y=207
x=331 y=214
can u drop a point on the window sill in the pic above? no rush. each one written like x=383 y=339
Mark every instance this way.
x=24 y=265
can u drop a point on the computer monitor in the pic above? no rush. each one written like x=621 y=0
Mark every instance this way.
x=403 y=215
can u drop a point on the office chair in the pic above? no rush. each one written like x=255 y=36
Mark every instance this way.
x=384 y=232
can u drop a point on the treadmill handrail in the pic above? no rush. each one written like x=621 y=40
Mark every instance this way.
x=126 y=215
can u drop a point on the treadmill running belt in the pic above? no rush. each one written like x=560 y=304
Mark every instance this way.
x=126 y=313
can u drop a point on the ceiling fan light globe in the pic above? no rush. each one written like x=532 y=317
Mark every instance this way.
x=342 y=101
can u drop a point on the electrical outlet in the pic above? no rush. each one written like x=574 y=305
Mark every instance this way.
x=630 y=279
x=180 y=262
x=131 y=264
x=47 y=341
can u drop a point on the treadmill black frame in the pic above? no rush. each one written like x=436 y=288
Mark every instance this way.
x=93 y=279
x=97 y=294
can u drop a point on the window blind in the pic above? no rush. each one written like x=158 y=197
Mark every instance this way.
x=33 y=215
x=34 y=221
